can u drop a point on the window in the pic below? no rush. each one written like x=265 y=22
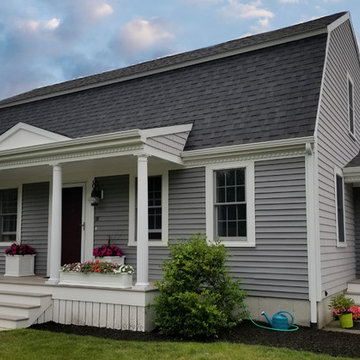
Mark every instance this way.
x=340 y=209
x=8 y=214
x=230 y=205
x=157 y=209
x=154 y=205
x=351 y=107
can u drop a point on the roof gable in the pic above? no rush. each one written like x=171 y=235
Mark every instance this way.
x=24 y=135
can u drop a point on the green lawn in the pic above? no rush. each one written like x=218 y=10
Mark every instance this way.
x=33 y=344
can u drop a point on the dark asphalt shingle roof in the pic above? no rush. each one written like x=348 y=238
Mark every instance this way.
x=267 y=94
x=237 y=44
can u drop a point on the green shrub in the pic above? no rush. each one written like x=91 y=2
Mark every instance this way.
x=197 y=297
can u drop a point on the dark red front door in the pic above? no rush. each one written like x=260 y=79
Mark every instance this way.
x=71 y=224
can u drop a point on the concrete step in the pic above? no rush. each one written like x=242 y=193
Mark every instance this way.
x=354 y=296
x=23 y=297
x=21 y=309
x=13 y=321
x=18 y=309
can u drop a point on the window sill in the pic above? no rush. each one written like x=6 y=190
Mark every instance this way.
x=6 y=243
x=341 y=245
x=228 y=243
x=151 y=243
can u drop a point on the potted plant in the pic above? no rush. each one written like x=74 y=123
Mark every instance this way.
x=19 y=260
x=341 y=307
x=109 y=253
x=97 y=273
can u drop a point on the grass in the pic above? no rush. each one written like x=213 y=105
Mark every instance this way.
x=33 y=344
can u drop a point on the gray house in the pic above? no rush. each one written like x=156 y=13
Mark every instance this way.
x=254 y=141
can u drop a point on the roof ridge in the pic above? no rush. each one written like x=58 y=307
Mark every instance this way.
x=157 y=65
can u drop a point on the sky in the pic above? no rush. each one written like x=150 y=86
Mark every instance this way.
x=43 y=42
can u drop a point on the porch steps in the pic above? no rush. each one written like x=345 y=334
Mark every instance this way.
x=353 y=290
x=21 y=309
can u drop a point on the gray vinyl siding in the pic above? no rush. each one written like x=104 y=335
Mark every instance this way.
x=186 y=203
x=34 y=222
x=335 y=149
x=277 y=266
x=186 y=212
x=112 y=215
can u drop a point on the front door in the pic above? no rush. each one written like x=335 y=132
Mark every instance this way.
x=72 y=199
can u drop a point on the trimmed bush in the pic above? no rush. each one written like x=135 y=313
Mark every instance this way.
x=197 y=297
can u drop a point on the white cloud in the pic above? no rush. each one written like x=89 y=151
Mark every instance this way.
x=32 y=26
x=254 y=10
x=52 y=24
x=103 y=9
x=140 y=35
x=289 y=1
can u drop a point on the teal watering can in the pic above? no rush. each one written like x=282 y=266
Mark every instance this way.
x=280 y=321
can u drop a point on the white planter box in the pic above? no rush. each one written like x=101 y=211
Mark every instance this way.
x=112 y=259
x=98 y=280
x=19 y=265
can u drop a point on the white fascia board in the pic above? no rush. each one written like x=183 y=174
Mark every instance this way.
x=167 y=130
x=261 y=147
x=351 y=175
x=338 y=22
x=176 y=66
x=75 y=149
x=32 y=129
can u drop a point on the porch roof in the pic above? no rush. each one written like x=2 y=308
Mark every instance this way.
x=166 y=143
x=352 y=170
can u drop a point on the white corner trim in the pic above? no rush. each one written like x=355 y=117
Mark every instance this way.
x=338 y=171
x=250 y=202
x=313 y=244
x=164 y=214
x=166 y=130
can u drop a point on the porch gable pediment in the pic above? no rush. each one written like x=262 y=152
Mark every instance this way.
x=24 y=135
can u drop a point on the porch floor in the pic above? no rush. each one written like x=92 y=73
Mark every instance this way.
x=24 y=280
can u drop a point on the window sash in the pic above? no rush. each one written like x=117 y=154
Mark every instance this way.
x=154 y=217
x=340 y=209
x=230 y=203
x=8 y=214
x=351 y=106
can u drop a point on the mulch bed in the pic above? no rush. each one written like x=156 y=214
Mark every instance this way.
x=305 y=339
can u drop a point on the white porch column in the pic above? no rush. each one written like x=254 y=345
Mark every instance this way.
x=55 y=232
x=142 y=263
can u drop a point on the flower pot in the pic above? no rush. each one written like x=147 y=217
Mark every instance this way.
x=112 y=259
x=121 y=280
x=346 y=321
x=19 y=265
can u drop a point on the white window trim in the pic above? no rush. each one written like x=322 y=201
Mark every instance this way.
x=164 y=210
x=18 y=217
x=338 y=171
x=250 y=202
x=349 y=80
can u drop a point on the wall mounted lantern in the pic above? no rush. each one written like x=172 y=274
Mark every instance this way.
x=96 y=194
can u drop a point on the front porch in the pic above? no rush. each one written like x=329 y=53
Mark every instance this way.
x=53 y=180
x=29 y=300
